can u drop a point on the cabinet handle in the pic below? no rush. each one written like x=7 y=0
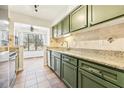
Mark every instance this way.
x=96 y=71
x=92 y=70
x=66 y=59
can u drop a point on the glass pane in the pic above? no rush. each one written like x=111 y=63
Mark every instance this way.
x=31 y=42
x=25 y=41
x=39 y=41
x=4 y=34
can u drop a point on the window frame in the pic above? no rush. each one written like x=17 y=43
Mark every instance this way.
x=35 y=41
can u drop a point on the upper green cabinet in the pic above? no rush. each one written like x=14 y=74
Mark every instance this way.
x=78 y=18
x=59 y=29
x=65 y=25
x=55 y=31
x=85 y=16
x=101 y=13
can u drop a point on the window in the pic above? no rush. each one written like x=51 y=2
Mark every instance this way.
x=39 y=42
x=25 y=41
x=33 y=42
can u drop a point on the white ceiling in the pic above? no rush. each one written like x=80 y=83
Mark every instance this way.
x=46 y=12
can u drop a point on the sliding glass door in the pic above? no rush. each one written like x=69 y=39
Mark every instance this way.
x=33 y=42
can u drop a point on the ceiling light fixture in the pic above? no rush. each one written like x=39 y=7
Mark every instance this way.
x=35 y=7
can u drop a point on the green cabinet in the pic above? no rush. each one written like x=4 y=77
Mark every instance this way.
x=55 y=31
x=57 y=65
x=85 y=74
x=65 y=25
x=56 y=62
x=86 y=16
x=69 y=74
x=88 y=80
x=101 y=13
x=78 y=18
x=49 y=58
x=52 y=62
x=59 y=29
x=69 y=71
x=98 y=76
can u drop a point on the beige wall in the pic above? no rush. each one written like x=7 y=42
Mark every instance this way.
x=97 y=38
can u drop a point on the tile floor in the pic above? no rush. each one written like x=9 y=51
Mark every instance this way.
x=36 y=75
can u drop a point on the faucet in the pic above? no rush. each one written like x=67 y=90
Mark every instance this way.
x=67 y=45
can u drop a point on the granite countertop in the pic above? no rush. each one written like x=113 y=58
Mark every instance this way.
x=114 y=59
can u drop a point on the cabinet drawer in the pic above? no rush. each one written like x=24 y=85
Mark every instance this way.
x=56 y=54
x=88 y=80
x=106 y=73
x=69 y=59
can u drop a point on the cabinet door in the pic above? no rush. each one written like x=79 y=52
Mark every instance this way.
x=57 y=66
x=55 y=31
x=101 y=13
x=52 y=62
x=78 y=18
x=87 y=80
x=65 y=25
x=48 y=58
x=69 y=74
x=59 y=29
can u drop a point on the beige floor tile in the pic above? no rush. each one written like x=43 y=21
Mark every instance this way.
x=44 y=84
x=19 y=85
x=41 y=79
x=31 y=86
x=35 y=75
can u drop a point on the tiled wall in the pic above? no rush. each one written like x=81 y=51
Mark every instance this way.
x=97 y=39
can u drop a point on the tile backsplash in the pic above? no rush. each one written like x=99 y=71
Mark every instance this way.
x=108 y=38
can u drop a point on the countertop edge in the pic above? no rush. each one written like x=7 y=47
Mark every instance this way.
x=89 y=59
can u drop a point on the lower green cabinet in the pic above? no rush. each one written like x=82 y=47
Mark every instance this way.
x=88 y=80
x=57 y=65
x=56 y=62
x=52 y=63
x=69 y=74
x=80 y=73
